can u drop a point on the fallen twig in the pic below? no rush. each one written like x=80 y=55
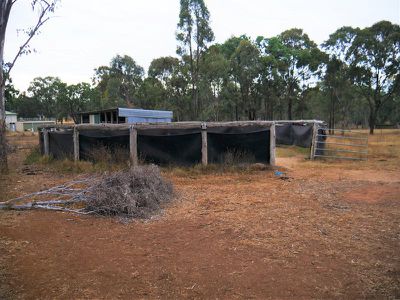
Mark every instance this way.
x=60 y=190
x=137 y=192
x=52 y=198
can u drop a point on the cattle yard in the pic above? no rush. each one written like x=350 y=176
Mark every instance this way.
x=323 y=229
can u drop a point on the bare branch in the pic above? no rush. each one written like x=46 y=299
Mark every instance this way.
x=135 y=193
x=63 y=190
x=32 y=206
x=45 y=9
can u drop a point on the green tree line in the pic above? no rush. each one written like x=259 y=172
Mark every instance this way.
x=353 y=78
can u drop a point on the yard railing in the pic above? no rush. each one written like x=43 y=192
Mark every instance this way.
x=339 y=144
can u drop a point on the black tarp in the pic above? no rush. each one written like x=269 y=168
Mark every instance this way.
x=165 y=149
x=41 y=146
x=61 y=144
x=238 y=144
x=181 y=146
x=95 y=143
x=160 y=146
x=294 y=134
x=302 y=135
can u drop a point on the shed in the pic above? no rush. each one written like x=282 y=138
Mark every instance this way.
x=125 y=115
x=11 y=121
x=32 y=125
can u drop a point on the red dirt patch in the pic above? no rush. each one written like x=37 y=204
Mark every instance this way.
x=375 y=193
x=230 y=235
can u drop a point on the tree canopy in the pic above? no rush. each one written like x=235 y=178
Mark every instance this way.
x=352 y=79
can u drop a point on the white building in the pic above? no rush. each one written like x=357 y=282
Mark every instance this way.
x=11 y=121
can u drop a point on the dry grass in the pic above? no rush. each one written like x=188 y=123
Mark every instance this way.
x=66 y=165
x=385 y=143
x=326 y=232
x=21 y=134
x=291 y=151
x=104 y=154
x=383 y=153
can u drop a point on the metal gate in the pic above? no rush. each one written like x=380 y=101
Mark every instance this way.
x=339 y=144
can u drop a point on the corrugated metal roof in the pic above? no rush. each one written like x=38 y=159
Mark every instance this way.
x=92 y=112
x=144 y=113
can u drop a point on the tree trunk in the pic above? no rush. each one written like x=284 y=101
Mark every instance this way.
x=290 y=103
x=236 y=109
x=5 y=8
x=3 y=142
x=3 y=148
x=271 y=109
x=372 y=120
x=332 y=114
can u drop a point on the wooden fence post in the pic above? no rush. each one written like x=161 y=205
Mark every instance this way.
x=314 y=141
x=204 y=149
x=272 y=144
x=133 y=145
x=46 y=144
x=76 y=143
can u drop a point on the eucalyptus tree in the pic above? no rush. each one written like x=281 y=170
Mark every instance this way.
x=48 y=92
x=152 y=94
x=163 y=68
x=245 y=65
x=215 y=70
x=193 y=34
x=269 y=85
x=119 y=82
x=231 y=94
x=26 y=107
x=337 y=80
x=77 y=98
x=372 y=55
x=44 y=8
x=10 y=96
x=174 y=77
x=51 y=98
x=375 y=65
x=299 y=63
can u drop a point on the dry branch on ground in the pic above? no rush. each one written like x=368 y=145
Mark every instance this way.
x=137 y=192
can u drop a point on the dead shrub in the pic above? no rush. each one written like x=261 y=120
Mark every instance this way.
x=236 y=157
x=108 y=155
x=138 y=192
x=10 y=148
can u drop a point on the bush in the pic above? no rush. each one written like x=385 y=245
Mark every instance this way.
x=108 y=155
x=138 y=192
x=236 y=157
x=34 y=156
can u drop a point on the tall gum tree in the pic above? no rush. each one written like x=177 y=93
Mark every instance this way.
x=44 y=8
x=245 y=65
x=194 y=34
x=299 y=62
x=375 y=65
x=372 y=55
x=119 y=83
x=337 y=74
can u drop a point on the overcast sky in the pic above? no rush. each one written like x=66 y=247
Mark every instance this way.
x=84 y=34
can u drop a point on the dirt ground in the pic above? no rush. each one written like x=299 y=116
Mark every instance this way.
x=331 y=230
